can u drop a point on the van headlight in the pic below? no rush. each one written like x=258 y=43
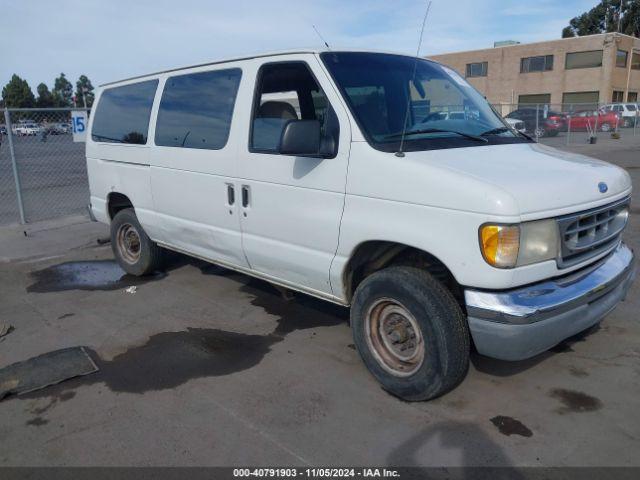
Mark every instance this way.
x=508 y=246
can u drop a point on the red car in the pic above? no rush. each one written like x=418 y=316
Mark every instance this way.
x=589 y=119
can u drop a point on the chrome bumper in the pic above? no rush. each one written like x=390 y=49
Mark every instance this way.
x=520 y=323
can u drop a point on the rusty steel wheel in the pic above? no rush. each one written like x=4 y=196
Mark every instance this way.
x=394 y=337
x=128 y=243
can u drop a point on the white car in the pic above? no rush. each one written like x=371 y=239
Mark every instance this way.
x=516 y=124
x=26 y=129
x=628 y=111
x=435 y=235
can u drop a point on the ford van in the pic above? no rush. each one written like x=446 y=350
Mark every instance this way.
x=381 y=182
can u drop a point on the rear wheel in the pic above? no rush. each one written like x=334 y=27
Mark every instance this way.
x=605 y=127
x=135 y=252
x=410 y=332
x=540 y=132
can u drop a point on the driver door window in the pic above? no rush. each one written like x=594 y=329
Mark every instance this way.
x=288 y=92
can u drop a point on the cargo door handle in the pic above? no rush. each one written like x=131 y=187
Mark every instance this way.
x=231 y=194
x=245 y=195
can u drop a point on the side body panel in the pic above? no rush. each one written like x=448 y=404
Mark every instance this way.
x=122 y=168
x=190 y=186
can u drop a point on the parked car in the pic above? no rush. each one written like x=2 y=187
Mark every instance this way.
x=549 y=123
x=516 y=124
x=58 y=129
x=26 y=129
x=594 y=119
x=436 y=235
x=628 y=112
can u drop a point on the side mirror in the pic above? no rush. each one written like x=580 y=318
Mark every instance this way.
x=300 y=137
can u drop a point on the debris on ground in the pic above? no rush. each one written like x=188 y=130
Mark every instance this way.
x=103 y=240
x=131 y=289
x=45 y=370
x=5 y=329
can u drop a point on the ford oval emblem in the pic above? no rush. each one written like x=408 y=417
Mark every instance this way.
x=603 y=187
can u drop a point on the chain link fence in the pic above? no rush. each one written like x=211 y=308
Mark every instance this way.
x=573 y=124
x=43 y=172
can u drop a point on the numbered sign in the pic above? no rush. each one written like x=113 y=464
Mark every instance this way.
x=79 y=125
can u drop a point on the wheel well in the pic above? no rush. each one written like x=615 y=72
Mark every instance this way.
x=372 y=256
x=116 y=202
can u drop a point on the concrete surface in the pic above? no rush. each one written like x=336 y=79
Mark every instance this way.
x=202 y=366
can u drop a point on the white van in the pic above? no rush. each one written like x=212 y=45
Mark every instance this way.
x=323 y=172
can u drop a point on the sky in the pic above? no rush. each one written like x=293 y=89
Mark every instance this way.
x=115 y=39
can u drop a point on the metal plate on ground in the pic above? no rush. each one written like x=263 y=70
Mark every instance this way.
x=45 y=370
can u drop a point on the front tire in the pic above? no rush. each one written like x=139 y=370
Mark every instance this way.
x=410 y=332
x=135 y=252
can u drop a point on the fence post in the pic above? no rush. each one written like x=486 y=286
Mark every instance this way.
x=14 y=166
x=537 y=121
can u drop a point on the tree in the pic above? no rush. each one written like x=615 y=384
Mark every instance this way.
x=17 y=93
x=45 y=98
x=84 y=87
x=62 y=92
x=604 y=18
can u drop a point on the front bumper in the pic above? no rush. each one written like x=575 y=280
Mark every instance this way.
x=520 y=323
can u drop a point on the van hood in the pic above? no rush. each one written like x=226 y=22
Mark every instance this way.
x=536 y=177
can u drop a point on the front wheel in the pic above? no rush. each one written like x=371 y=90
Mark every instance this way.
x=540 y=132
x=410 y=332
x=135 y=252
x=605 y=127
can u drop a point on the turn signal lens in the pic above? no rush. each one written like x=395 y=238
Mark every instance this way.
x=500 y=244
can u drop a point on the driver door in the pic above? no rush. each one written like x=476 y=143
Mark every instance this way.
x=291 y=205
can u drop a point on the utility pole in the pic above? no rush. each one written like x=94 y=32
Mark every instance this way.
x=620 y=16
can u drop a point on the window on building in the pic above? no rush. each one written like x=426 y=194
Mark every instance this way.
x=632 y=97
x=536 y=64
x=572 y=101
x=122 y=115
x=618 y=96
x=635 y=61
x=196 y=109
x=478 y=69
x=588 y=59
x=621 y=58
x=534 y=99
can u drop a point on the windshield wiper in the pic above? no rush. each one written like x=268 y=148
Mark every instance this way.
x=496 y=131
x=438 y=130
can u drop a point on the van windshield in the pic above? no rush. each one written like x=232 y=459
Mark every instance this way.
x=438 y=106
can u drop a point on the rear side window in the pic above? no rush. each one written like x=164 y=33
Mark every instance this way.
x=196 y=109
x=123 y=113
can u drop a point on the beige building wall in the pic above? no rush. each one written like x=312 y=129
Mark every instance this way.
x=504 y=83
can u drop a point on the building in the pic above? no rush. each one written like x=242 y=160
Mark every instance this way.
x=580 y=70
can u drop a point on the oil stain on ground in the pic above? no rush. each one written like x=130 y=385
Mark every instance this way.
x=574 y=401
x=85 y=275
x=37 y=422
x=170 y=359
x=510 y=426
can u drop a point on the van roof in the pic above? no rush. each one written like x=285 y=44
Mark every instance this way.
x=260 y=55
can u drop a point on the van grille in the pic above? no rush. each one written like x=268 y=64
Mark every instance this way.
x=587 y=234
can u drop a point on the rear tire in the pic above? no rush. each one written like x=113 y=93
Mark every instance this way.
x=135 y=252
x=605 y=127
x=410 y=332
